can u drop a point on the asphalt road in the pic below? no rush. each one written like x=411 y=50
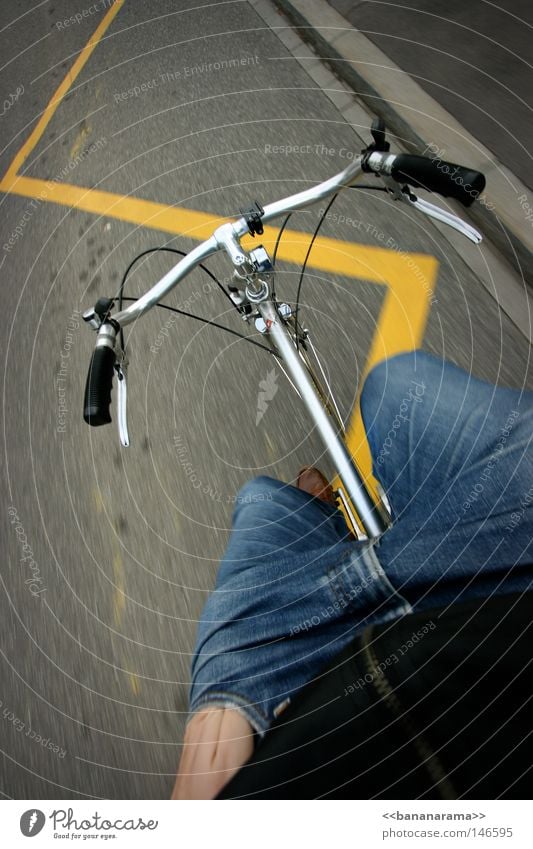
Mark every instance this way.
x=94 y=665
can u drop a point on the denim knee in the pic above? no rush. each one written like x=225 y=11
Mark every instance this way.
x=388 y=382
x=258 y=491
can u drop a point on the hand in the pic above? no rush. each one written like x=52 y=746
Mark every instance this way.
x=218 y=741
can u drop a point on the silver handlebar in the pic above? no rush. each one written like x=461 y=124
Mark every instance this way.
x=226 y=238
x=167 y=283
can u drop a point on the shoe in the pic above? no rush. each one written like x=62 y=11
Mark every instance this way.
x=313 y=482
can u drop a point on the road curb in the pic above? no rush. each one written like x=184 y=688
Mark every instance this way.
x=420 y=124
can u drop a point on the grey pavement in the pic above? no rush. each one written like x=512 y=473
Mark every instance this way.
x=420 y=123
x=473 y=58
x=125 y=544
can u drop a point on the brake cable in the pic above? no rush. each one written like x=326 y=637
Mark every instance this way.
x=210 y=322
x=315 y=234
x=164 y=248
x=309 y=249
x=122 y=298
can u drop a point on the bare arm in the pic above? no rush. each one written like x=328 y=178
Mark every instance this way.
x=217 y=743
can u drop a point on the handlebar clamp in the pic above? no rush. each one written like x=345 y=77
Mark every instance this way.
x=378 y=131
x=252 y=215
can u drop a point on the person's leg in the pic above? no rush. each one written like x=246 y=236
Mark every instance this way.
x=292 y=589
x=272 y=519
x=454 y=456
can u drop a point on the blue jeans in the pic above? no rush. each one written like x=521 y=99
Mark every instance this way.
x=454 y=455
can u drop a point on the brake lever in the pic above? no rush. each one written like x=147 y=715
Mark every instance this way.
x=443 y=215
x=405 y=194
x=122 y=398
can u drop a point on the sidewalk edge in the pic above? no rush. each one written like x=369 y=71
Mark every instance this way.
x=327 y=41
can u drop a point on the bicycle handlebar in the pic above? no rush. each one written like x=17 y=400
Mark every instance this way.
x=226 y=237
x=434 y=175
x=99 y=383
x=419 y=171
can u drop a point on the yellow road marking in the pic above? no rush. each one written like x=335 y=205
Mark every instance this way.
x=409 y=278
x=400 y=328
x=98 y=500
x=134 y=684
x=405 y=309
x=270 y=447
x=119 y=600
x=177 y=220
x=82 y=135
x=349 y=259
x=62 y=90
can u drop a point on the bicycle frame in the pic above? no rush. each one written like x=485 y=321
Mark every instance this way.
x=373 y=517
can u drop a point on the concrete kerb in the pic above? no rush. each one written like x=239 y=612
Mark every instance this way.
x=386 y=89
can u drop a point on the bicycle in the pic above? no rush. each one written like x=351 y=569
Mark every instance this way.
x=252 y=293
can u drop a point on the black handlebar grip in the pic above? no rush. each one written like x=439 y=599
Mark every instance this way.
x=98 y=387
x=445 y=178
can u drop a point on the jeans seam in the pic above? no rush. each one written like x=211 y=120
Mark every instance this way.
x=388 y=696
x=347 y=594
x=338 y=581
x=377 y=571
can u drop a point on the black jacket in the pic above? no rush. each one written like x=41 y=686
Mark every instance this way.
x=436 y=705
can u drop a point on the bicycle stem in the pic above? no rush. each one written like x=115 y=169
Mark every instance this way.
x=372 y=518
